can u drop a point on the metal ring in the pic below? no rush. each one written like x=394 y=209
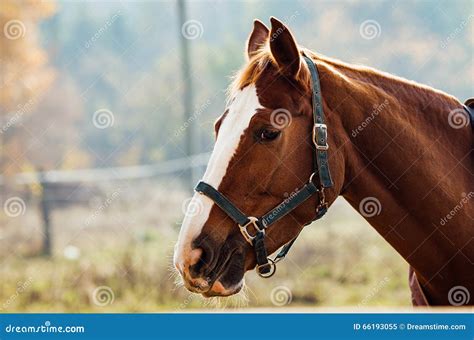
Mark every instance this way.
x=272 y=270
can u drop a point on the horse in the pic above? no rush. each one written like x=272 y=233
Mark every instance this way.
x=399 y=152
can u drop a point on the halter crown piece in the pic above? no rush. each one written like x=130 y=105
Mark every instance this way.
x=266 y=266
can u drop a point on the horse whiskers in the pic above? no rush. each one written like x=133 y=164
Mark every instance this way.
x=244 y=294
x=173 y=272
x=174 y=275
x=178 y=281
x=241 y=299
x=211 y=302
x=236 y=301
x=246 y=289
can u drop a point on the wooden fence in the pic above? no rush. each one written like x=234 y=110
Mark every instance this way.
x=54 y=185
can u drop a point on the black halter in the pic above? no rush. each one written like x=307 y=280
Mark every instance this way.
x=265 y=266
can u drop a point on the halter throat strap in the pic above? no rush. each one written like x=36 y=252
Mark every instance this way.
x=265 y=266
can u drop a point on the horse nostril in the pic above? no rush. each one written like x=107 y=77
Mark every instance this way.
x=200 y=284
x=195 y=255
x=202 y=257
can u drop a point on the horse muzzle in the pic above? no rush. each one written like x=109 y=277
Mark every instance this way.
x=212 y=270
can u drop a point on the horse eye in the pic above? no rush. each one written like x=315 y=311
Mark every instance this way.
x=269 y=135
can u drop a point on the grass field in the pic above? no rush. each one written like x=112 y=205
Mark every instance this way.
x=115 y=256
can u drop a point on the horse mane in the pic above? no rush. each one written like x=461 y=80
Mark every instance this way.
x=259 y=61
x=377 y=77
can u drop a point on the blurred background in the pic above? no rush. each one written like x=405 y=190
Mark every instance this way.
x=106 y=121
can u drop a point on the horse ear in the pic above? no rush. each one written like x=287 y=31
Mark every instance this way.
x=284 y=49
x=257 y=38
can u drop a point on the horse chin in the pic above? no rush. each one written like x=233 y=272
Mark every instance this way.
x=218 y=290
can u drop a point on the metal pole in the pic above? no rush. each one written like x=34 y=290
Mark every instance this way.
x=190 y=134
x=45 y=214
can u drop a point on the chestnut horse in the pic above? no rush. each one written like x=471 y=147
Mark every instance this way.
x=399 y=152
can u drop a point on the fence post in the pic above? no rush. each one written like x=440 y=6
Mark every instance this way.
x=45 y=214
x=190 y=136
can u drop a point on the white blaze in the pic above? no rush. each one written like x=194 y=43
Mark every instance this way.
x=238 y=117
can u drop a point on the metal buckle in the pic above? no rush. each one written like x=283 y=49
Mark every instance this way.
x=272 y=271
x=243 y=229
x=316 y=132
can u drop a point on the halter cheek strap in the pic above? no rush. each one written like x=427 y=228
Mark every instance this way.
x=265 y=266
x=320 y=130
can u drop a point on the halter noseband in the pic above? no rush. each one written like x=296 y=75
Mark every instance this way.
x=265 y=266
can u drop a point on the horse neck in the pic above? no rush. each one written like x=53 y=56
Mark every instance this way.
x=399 y=150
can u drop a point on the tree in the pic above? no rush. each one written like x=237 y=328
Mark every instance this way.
x=24 y=74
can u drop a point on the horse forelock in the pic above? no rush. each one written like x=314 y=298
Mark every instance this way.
x=250 y=73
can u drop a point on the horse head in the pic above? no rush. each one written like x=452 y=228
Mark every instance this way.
x=263 y=153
